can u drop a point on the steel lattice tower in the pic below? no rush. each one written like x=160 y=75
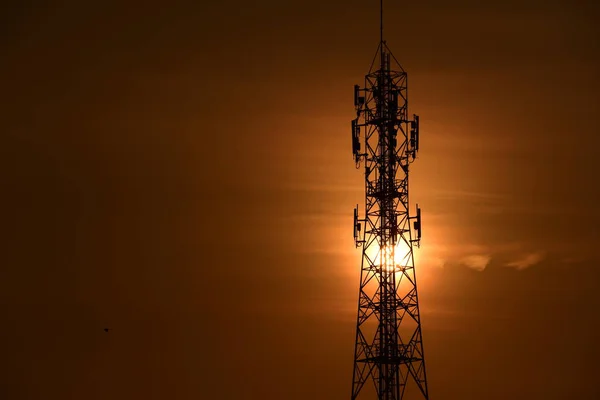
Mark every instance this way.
x=389 y=361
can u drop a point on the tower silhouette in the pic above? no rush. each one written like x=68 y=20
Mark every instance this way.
x=389 y=361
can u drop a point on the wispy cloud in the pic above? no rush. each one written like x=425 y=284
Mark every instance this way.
x=468 y=195
x=526 y=260
x=479 y=257
x=476 y=261
x=322 y=187
x=574 y=259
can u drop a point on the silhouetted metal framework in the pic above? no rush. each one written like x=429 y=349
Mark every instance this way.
x=389 y=361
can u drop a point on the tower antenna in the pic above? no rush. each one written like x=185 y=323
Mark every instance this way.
x=381 y=21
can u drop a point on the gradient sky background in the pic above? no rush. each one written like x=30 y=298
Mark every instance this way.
x=181 y=172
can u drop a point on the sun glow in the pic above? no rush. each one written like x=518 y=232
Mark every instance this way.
x=392 y=258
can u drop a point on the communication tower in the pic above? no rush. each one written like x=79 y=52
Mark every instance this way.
x=389 y=361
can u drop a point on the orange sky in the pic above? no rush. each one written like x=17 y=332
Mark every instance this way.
x=183 y=174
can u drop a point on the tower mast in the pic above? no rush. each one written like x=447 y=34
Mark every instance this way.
x=389 y=361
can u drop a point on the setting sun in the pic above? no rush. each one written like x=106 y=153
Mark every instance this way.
x=396 y=257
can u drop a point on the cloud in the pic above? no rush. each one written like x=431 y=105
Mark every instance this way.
x=470 y=195
x=436 y=262
x=526 y=261
x=476 y=261
x=574 y=259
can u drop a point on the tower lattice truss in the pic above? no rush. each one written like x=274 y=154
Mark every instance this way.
x=389 y=361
